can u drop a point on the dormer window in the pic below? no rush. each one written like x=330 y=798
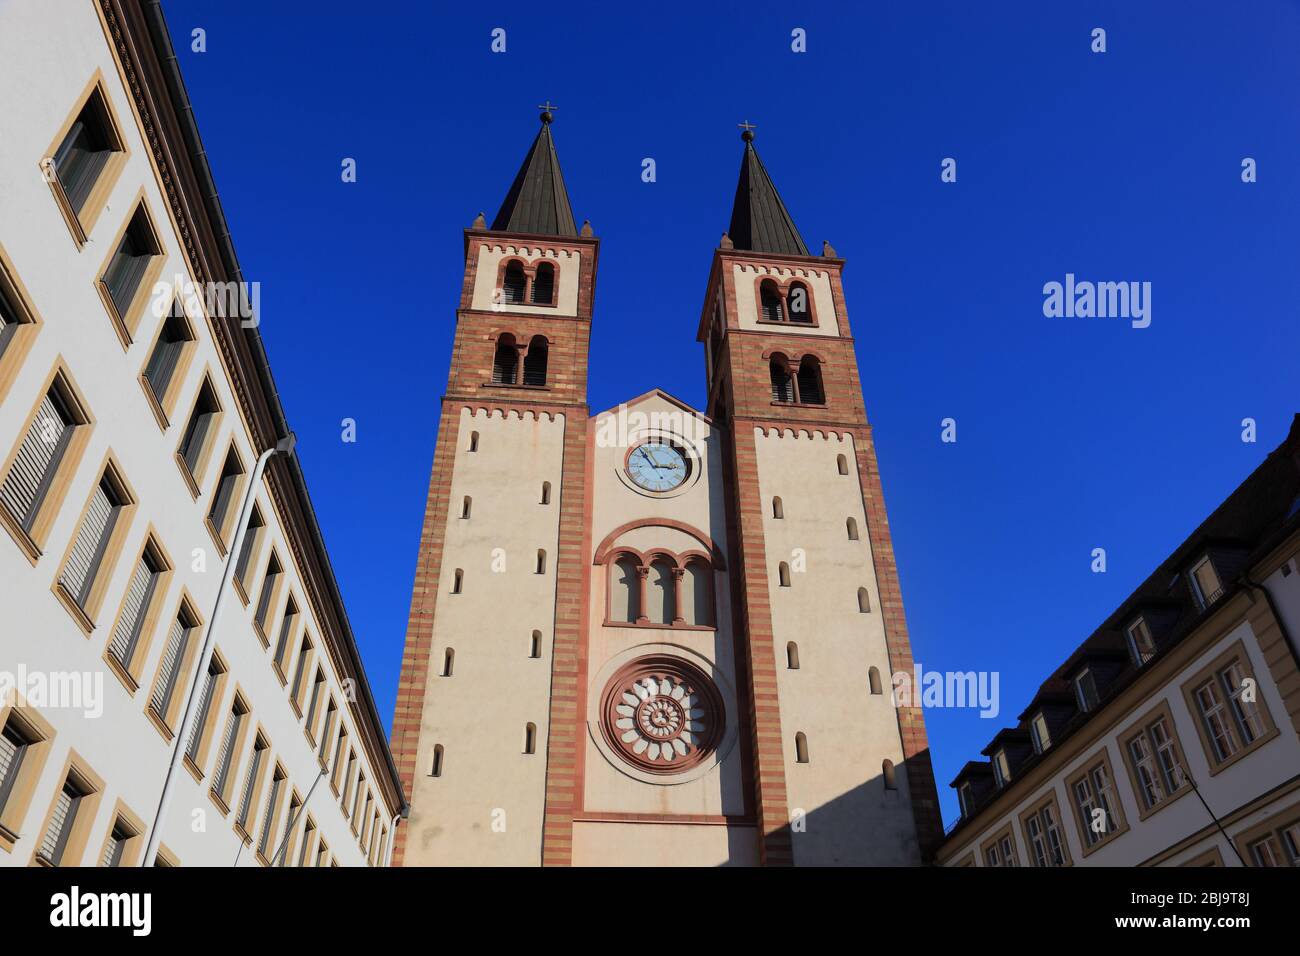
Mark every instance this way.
x=1141 y=645
x=1205 y=583
x=965 y=800
x=1001 y=769
x=1085 y=690
x=1038 y=731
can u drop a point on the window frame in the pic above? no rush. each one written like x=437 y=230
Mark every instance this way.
x=1115 y=814
x=18 y=335
x=207 y=726
x=1141 y=729
x=1211 y=673
x=16 y=797
x=72 y=843
x=1034 y=811
x=193 y=477
x=126 y=322
x=164 y=406
x=998 y=841
x=1139 y=657
x=129 y=672
x=165 y=723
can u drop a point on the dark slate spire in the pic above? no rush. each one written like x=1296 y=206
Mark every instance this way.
x=537 y=201
x=759 y=221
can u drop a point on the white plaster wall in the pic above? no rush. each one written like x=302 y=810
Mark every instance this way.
x=568 y=264
x=48 y=53
x=479 y=713
x=849 y=815
x=818 y=281
x=648 y=844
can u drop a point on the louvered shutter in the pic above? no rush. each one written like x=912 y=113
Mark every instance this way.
x=55 y=837
x=172 y=657
x=127 y=633
x=194 y=440
x=124 y=274
x=113 y=850
x=78 y=165
x=227 y=743
x=246 y=550
x=11 y=758
x=246 y=804
x=205 y=703
x=34 y=462
x=265 y=843
x=87 y=550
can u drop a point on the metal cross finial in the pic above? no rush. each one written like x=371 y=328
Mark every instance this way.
x=548 y=112
x=746 y=126
x=548 y=107
x=748 y=134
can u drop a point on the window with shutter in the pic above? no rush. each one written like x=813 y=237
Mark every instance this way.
x=254 y=765
x=200 y=424
x=167 y=351
x=37 y=460
x=205 y=706
x=126 y=636
x=295 y=691
x=505 y=362
x=246 y=546
x=224 y=499
x=512 y=287
x=92 y=539
x=782 y=380
x=55 y=839
x=268 y=815
x=85 y=150
x=535 y=362
x=126 y=269
x=286 y=630
x=13 y=746
x=115 y=847
x=810 y=382
x=268 y=591
x=173 y=658
x=772 y=307
x=544 y=284
x=10 y=315
x=226 y=758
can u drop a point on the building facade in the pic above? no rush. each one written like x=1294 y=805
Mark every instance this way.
x=1171 y=736
x=656 y=634
x=134 y=404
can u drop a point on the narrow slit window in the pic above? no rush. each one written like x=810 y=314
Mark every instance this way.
x=778 y=508
x=887 y=771
x=546 y=492
x=792 y=656
x=530 y=738
x=458 y=580
x=465 y=505
x=843 y=464
x=448 y=662
x=864 y=601
x=436 y=770
x=541 y=561
x=873 y=681
x=473 y=441
x=535 y=644
x=852 y=526
x=800 y=747
x=783 y=574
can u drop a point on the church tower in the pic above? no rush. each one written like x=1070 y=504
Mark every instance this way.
x=650 y=635
x=840 y=775
x=492 y=637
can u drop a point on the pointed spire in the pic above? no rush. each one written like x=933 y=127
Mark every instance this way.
x=537 y=201
x=759 y=220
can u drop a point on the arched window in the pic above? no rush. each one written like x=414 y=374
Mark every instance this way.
x=792 y=656
x=505 y=363
x=810 y=382
x=535 y=644
x=436 y=769
x=448 y=662
x=783 y=574
x=695 y=599
x=473 y=441
x=535 y=362
x=546 y=492
x=457 y=580
x=625 y=591
x=800 y=300
x=541 y=561
x=864 y=601
x=852 y=525
x=465 y=506
x=778 y=509
x=530 y=738
x=873 y=679
x=800 y=747
x=782 y=380
x=660 y=593
x=843 y=464
x=512 y=285
x=544 y=284
x=887 y=770
x=770 y=295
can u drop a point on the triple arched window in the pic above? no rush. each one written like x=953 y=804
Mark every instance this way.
x=660 y=589
x=524 y=284
x=790 y=302
x=798 y=382
x=512 y=355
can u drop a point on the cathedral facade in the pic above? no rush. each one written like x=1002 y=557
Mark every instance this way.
x=656 y=635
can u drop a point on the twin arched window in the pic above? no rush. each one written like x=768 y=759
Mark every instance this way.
x=792 y=304
x=800 y=385
x=522 y=286
x=661 y=593
x=506 y=364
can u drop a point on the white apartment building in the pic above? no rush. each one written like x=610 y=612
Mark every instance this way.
x=131 y=421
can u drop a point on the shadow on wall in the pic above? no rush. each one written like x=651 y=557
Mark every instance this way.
x=870 y=825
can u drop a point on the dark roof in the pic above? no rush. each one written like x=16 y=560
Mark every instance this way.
x=537 y=202
x=1258 y=514
x=759 y=220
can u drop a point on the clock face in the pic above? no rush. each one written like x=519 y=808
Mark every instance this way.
x=658 y=466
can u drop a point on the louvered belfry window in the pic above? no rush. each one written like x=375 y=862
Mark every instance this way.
x=84 y=151
x=544 y=284
x=773 y=309
x=92 y=539
x=782 y=381
x=130 y=260
x=513 y=283
x=55 y=839
x=505 y=362
x=810 y=382
x=173 y=657
x=126 y=636
x=37 y=460
x=535 y=362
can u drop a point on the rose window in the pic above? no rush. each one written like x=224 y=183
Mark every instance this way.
x=662 y=715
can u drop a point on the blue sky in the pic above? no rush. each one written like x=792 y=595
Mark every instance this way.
x=1072 y=433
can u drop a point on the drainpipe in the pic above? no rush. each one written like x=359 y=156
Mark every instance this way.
x=283 y=447
x=392 y=834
